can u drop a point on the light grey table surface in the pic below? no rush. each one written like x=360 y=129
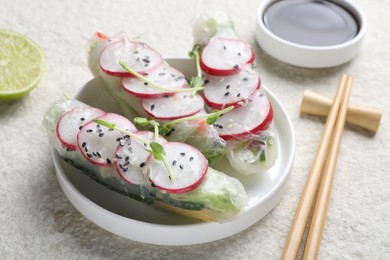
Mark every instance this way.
x=38 y=222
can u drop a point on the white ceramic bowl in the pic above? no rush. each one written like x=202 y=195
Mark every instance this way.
x=131 y=219
x=305 y=55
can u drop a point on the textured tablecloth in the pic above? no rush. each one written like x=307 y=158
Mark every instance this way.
x=38 y=222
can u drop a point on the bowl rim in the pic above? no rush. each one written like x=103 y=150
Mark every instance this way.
x=347 y=4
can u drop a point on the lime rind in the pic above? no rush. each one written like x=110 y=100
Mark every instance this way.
x=22 y=65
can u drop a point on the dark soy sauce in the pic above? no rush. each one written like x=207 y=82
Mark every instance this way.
x=311 y=22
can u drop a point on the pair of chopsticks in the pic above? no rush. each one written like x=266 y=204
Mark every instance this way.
x=326 y=155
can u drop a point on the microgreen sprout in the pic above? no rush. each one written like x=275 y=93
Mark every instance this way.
x=166 y=128
x=157 y=87
x=156 y=149
x=196 y=81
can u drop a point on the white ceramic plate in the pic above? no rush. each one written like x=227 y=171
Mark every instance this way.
x=134 y=220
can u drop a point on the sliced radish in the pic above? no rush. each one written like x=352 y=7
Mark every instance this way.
x=98 y=143
x=254 y=116
x=71 y=123
x=137 y=55
x=164 y=76
x=188 y=166
x=131 y=158
x=221 y=92
x=179 y=105
x=224 y=56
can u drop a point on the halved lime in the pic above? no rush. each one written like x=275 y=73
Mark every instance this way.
x=22 y=64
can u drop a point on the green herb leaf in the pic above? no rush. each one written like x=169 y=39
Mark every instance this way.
x=157 y=148
x=212 y=118
x=165 y=129
x=196 y=82
x=141 y=121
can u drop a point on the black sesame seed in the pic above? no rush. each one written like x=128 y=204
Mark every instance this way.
x=146 y=83
x=191 y=158
x=182 y=154
x=89 y=155
x=125 y=169
x=151 y=107
x=119 y=139
x=99 y=130
x=239 y=94
x=110 y=129
x=165 y=96
x=235 y=66
x=228 y=86
x=83 y=144
x=245 y=79
x=101 y=134
x=220 y=127
x=118 y=156
x=174 y=162
x=206 y=81
x=80 y=127
x=224 y=47
x=98 y=126
x=181 y=166
x=227 y=94
x=108 y=161
x=142 y=164
x=239 y=53
x=98 y=155
x=127 y=158
x=82 y=119
x=161 y=74
x=89 y=131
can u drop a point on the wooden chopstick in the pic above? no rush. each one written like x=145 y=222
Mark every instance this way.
x=301 y=216
x=322 y=201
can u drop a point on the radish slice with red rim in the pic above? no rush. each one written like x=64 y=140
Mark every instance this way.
x=137 y=55
x=179 y=105
x=131 y=157
x=188 y=166
x=72 y=122
x=164 y=76
x=98 y=143
x=254 y=116
x=225 y=56
x=221 y=92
